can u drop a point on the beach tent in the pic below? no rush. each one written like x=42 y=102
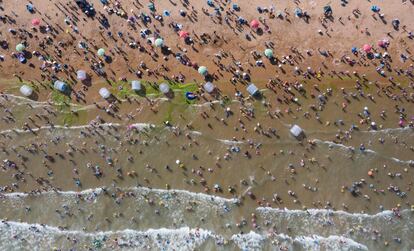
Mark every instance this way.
x=159 y=42
x=202 y=70
x=209 y=87
x=81 y=75
x=60 y=86
x=20 y=47
x=36 y=22
x=190 y=95
x=254 y=24
x=26 y=90
x=367 y=48
x=252 y=89
x=101 y=52
x=296 y=131
x=136 y=85
x=268 y=53
x=164 y=88
x=105 y=93
x=183 y=34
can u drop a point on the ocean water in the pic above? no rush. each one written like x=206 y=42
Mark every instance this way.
x=313 y=229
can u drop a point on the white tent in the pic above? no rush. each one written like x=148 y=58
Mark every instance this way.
x=296 y=131
x=209 y=87
x=81 y=75
x=252 y=89
x=164 y=88
x=105 y=93
x=26 y=90
x=136 y=85
x=60 y=86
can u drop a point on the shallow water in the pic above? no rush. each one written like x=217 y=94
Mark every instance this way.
x=190 y=205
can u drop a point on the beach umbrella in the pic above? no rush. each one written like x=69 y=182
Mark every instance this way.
x=151 y=6
x=159 y=42
x=367 y=48
x=375 y=8
x=327 y=10
x=268 y=53
x=354 y=49
x=298 y=12
x=202 y=70
x=166 y=13
x=20 y=47
x=101 y=52
x=383 y=43
x=30 y=8
x=254 y=24
x=36 y=22
x=183 y=34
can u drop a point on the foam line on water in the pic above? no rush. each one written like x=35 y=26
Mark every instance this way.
x=139 y=126
x=254 y=241
x=350 y=148
x=383 y=131
x=230 y=142
x=389 y=130
x=316 y=212
x=201 y=196
x=183 y=238
x=15 y=130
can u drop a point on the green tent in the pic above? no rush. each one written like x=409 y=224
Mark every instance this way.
x=202 y=70
x=159 y=42
x=20 y=47
x=101 y=52
x=268 y=53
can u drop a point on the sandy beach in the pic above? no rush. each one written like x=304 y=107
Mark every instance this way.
x=171 y=125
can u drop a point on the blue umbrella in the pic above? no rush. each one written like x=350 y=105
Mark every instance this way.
x=375 y=8
x=298 y=12
x=354 y=50
x=166 y=13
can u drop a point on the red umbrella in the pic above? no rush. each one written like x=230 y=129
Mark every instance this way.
x=383 y=43
x=367 y=48
x=183 y=34
x=36 y=22
x=254 y=24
